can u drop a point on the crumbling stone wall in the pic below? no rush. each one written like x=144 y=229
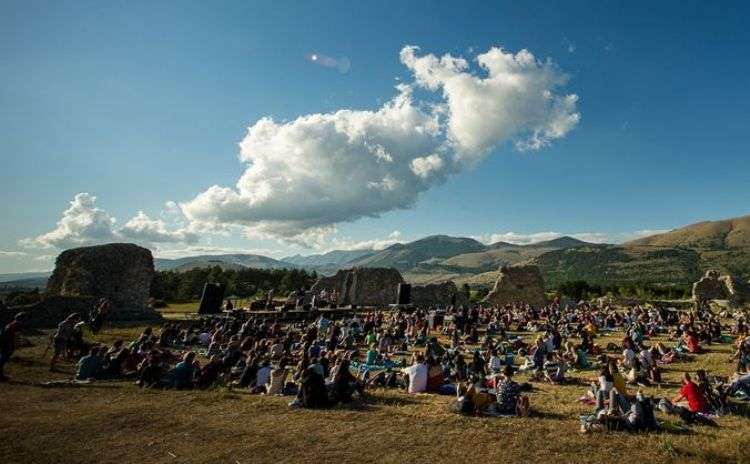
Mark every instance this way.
x=738 y=291
x=709 y=287
x=362 y=286
x=518 y=284
x=120 y=272
x=712 y=286
x=442 y=294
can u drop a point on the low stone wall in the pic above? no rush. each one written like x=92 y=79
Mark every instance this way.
x=49 y=312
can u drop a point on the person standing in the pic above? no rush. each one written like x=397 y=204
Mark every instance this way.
x=9 y=341
x=62 y=338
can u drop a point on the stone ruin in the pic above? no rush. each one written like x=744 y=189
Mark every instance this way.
x=442 y=294
x=713 y=286
x=120 y=272
x=518 y=284
x=362 y=286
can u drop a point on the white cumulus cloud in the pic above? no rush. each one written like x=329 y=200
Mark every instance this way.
x=83 y=223
x=516 y=99
x=142 y=228
x=304 y=176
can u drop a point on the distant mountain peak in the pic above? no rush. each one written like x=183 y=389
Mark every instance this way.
x=560 y=242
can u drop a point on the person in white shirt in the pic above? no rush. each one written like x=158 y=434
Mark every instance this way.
x=417 y=373
x=628 y=356
x=496 y=363
x=277 y=379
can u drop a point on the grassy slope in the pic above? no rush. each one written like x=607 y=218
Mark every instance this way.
x=118 y=423
x=731 y=233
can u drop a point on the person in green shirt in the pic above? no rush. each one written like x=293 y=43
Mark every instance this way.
x=372 y=355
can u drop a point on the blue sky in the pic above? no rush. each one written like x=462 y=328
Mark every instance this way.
x=141 y=103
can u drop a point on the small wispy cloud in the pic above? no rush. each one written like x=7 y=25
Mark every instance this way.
x=12 y=254
x=342 y=64
x=569 y=45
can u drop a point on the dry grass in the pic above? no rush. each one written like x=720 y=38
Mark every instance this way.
x=118 y=423
x=179 y=311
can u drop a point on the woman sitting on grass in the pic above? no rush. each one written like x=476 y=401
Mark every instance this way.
x=509 y=398
x=638 y=417
x=554 y=368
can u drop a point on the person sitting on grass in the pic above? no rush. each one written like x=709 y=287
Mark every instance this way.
x=89 y=366
x=371 y=357
x=183 y=374
x=697 y=404
x=472 y=397
x=417 y=373
x=509 y=398
x=344 y=384
x=151 y=370
x=638 y=417
x=693 y=345
x=611 y=385
x=742 y=356
x=495 y=362
x=114 y=368
x=262 y=377
x=555 y=368
x=277 y=379
x=312 y=390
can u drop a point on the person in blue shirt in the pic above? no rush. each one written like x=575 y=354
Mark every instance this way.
x=90 y=365
x=183 y=373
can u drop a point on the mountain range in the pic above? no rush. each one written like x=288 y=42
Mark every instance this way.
x=677 y=257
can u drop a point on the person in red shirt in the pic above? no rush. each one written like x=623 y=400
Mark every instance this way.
x=692 y=343
x=696 y=400
x=8 y=341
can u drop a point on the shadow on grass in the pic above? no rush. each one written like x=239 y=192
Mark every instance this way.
x=375 y=399
x=741 y=409
x=547 y=415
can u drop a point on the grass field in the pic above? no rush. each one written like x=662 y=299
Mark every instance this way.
x=178 y=311
x=116 y=422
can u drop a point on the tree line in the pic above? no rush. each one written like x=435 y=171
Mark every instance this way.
x=582 y=290
x=188 y=285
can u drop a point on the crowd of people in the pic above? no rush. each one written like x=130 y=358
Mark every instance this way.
x=473 y=353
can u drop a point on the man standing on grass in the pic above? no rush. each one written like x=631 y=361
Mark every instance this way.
x=9 y=341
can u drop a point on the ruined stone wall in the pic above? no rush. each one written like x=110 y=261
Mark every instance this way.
x=738 y=291
x=518 y=284
x=709 y=287
x=442 y=294
x=712 y=286
x=362 y=286
x=120 y=272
